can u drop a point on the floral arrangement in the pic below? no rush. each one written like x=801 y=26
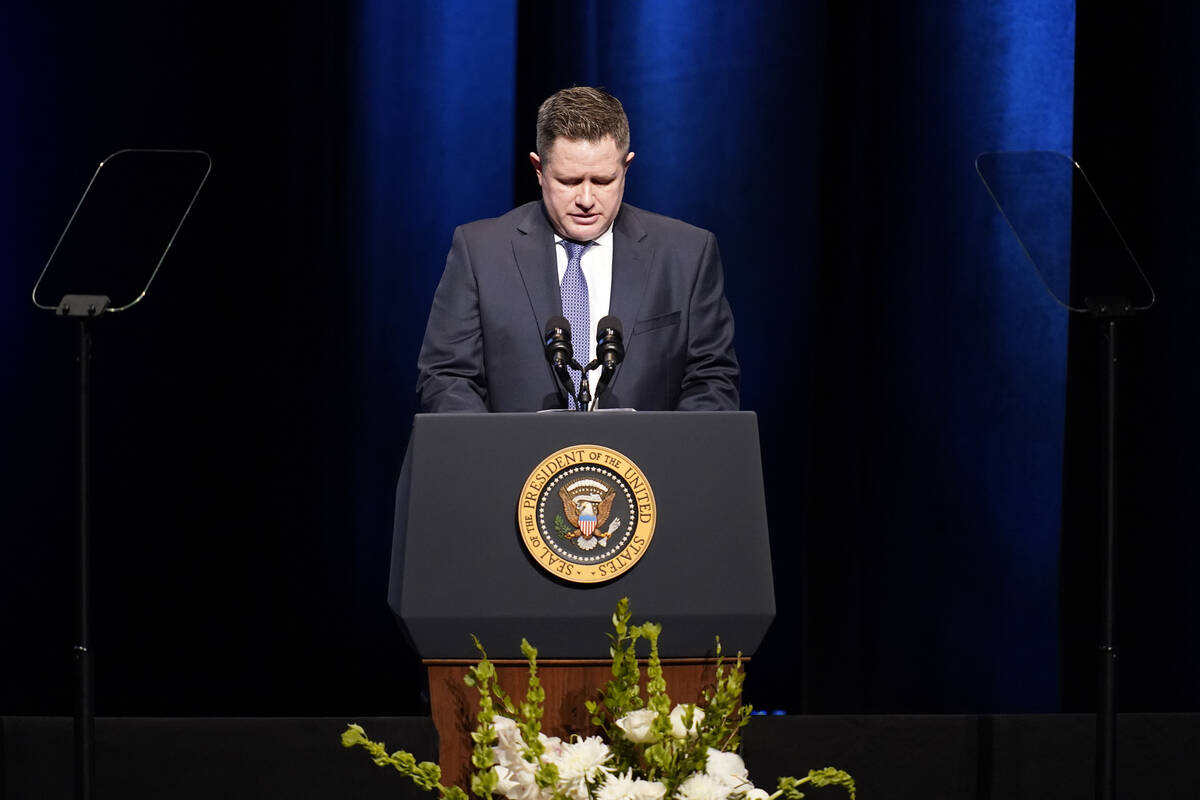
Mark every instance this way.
x=648 y=750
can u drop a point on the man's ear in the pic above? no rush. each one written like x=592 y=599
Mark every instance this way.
x=629 y=159
x=536 y=161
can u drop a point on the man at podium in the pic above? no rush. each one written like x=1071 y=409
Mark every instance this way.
x=581 y=256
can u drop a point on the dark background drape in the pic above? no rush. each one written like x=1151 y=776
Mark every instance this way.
x=929 y=417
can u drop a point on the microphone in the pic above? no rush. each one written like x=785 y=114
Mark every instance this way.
x=559 y=352
x=557 y=341
x=610 y=349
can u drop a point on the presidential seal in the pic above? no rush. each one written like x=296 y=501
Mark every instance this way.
x=586 y=514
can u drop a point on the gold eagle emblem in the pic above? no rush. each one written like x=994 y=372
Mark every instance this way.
x=592 y=501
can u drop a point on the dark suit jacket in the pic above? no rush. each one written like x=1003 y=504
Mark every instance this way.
x=483 y=347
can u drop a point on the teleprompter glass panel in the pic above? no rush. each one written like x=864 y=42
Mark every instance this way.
x=1064 y=228
x=123 y=226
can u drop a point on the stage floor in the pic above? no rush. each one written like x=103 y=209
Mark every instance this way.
x=945 y=757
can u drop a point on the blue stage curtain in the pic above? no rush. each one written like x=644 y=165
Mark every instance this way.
x=937 y=367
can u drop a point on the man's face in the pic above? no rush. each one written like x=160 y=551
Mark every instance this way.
x=582 y=185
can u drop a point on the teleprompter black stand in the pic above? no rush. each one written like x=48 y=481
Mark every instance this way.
x=1087 y=267
x=459 y=566
x=110 y=250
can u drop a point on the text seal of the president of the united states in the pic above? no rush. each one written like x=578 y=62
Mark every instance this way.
x=586 y=514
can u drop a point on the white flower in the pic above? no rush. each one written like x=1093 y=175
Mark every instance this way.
x=515 y=775
x=726 y=765
x=616 y=787
x=554 y=748
x=517 y=782
x=530 y=791
x=509 y=743
x=624 y=787
x=677 y=729
x=636 y=725
x=505 y=781
x=581 y=762
x=648 y=790
x=730 y=770
x=503 y=724
x=699 y=786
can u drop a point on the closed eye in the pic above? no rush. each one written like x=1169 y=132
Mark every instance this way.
x=605 y=181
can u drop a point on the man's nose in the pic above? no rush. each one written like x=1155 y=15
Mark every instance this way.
x=584 y=198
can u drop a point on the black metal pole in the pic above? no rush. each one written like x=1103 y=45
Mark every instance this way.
x=1106 y=710
x=85 y=701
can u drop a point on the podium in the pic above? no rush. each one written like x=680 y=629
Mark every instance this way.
x=461 y=566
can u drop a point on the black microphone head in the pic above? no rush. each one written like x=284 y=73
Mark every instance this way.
x=609 y=348
x=609 y=323
x=557 y=341
x=558 y=323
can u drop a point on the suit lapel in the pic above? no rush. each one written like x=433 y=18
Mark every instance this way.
x=533 y=248
x=632 y=256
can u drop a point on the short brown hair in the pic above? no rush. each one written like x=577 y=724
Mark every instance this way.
x=581 y=113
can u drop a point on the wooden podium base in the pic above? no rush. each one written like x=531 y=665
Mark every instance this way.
x=568 y=683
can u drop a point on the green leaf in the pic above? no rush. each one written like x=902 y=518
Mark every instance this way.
x=833 y=777
x=425 y=775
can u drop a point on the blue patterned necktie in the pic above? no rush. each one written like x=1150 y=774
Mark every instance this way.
x=575 y=307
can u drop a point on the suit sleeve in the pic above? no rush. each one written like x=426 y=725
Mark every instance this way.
x=450 y=369
x=711 y=378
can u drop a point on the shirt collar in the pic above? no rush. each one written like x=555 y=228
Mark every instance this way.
x=603 y=240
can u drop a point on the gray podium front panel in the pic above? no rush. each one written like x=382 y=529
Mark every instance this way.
x=460 y=568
